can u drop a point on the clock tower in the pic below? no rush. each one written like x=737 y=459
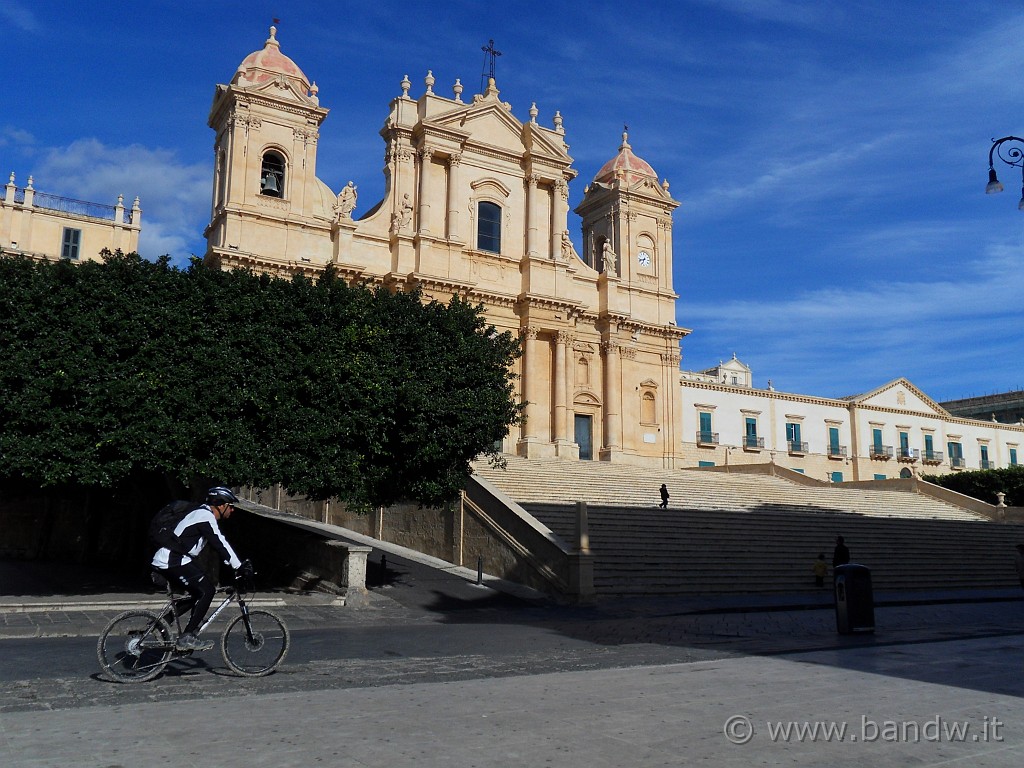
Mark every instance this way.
x=627 y=240
x=627 y=234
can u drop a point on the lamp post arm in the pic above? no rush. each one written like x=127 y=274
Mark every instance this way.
x=1014 y=156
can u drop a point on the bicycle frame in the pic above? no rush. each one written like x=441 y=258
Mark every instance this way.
x=232 y=596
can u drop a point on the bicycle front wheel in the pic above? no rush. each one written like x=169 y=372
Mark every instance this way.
x=135 y=646
x=259 y=653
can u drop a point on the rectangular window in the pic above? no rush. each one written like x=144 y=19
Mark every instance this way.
x=876 y=440
x=705 y=427
x=705 y=463
x=70 y=244
x=929 y=445
x=833 y=439
x=1013 y=457
x=985 y=463
x=837 y=477
x=750 y=437
x=488 y=227
x=904 y=445
x=956 y=454
x=879 y=477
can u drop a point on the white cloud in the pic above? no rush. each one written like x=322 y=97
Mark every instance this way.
x=874 y=332
x=174 y=196
x=19 y=15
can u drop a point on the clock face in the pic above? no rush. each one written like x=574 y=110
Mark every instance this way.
x=643 y=259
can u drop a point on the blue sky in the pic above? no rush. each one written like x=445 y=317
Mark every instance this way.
x=830 y=156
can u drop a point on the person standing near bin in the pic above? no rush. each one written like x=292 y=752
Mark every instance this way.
x=820 y=568
x=841 y=554
x=664 y=496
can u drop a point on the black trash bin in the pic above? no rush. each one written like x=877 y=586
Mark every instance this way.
x=855 y=602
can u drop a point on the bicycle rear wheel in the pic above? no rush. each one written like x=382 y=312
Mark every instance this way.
x=135 y=646
x=260 y=654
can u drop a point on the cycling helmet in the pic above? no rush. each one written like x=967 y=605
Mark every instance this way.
x=220 y=495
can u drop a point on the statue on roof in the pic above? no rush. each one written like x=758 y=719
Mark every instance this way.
x=347 y=202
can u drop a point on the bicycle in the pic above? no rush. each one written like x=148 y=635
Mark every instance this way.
x=137 y=645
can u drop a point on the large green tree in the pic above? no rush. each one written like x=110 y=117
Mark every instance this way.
x=114 y=373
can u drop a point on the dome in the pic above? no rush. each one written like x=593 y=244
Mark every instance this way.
x=268 y=64
x=634 y=168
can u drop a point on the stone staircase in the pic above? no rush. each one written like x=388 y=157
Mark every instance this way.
x=735 y=532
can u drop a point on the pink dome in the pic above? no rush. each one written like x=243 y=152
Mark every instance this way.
x=634 y=168
x=267 y=64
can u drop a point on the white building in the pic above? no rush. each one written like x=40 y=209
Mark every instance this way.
x=895 y=430
x=46 y=226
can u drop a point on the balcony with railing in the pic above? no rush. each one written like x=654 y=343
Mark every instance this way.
x=753 y=443
x=957 y=462
x=33 y=198
x=82 y=208
x=707 y=438
x=883 y=452
x=796 y=447
x=836 y=451
x=932 y=457
x=988 y=464
x=908 y=455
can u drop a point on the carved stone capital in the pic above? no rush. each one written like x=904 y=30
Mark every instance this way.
x=530 y=333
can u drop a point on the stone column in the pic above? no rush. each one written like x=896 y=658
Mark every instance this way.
x=424 y=212
x=612 y=397
x=560 y=205
x=453 y=196
x=562 y=338
x=533 y=397
x=531 y=215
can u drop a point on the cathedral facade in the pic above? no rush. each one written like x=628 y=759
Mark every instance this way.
x=476 y=205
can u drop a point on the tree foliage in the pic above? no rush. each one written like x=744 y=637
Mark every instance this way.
x=115 y=372
x=984 y=484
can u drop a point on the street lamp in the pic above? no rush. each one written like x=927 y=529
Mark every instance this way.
x=1011 y=155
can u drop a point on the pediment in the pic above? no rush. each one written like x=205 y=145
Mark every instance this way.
x=489 y=122
x=900 y=394
x=280 y=87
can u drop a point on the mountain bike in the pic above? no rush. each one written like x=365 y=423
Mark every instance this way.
x=136 y=645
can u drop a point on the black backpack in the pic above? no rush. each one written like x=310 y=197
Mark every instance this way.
x=161 y=527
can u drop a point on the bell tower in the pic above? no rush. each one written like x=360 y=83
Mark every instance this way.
x=627 y=227
x=268 y=204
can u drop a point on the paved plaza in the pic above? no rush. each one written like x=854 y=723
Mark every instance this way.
x=433 y=672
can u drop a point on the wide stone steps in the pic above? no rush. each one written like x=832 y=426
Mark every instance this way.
x=754 y=533
x=651 y=552
x=602 y=483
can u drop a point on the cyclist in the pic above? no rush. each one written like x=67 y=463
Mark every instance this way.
x=193 y=532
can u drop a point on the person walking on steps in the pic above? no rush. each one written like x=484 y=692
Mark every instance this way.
x=664 y=496
x=195 y=530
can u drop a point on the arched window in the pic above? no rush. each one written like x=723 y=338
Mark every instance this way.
x=488 y=227
x=272 y=175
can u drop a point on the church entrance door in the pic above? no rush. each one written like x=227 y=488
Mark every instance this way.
x=584 y=436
